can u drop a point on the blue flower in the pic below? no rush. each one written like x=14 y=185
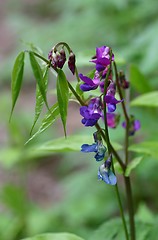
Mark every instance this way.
x=98 y=148
x=106 y=175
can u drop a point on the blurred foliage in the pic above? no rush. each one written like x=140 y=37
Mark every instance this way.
x=131 y=29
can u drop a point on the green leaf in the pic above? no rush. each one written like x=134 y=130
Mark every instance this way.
x=17 y=77
x=149 y=148
x=133 y=164
x=62 y=96
x=39 y=98
x=48 y=120
x=146 y=100
x=55 y=236
x=71 y=143
x=138 y=80
x=37 y=71
x=113 y=230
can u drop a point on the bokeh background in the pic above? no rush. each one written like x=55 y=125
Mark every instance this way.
x=58 y=191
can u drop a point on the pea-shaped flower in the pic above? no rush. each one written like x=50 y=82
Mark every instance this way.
x=105 y=174
x=97 y=148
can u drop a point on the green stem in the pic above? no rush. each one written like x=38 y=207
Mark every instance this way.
x=125 y=115
x=130 y=206
x=127 y=179
x=110 y=150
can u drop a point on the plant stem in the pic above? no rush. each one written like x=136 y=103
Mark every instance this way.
x=130 y=206
x=127 y=179
x=110 y=150
x=125 y=115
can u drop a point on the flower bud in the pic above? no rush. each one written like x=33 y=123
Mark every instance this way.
x=56 y=58
x=123 y=82
x=71 y=62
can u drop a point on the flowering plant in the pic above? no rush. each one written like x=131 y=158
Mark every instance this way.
x=107 y=87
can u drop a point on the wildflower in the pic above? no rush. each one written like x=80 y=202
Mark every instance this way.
x=105 y=174
x=112 y=119
x=111 y=102
x=89 y=84
x=71 y=62
x=102 y=58
x=91 y=113
x=134 y=125
x=98 y=148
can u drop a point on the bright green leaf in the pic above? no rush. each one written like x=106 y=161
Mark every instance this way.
x=62 y=96
x=17 y=77
x=37 y=71
x=146 y=100
x=149 y=148
x=138 y=80
x=48 y=120
x=55 y=236
x=39 y=98
x=71 y=143
x=133 y=164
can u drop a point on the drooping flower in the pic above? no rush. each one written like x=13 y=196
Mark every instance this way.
x=102 y=58
x=134 y=125
x=98 y=148
x=89 y=84
x=91 y=113
x=105 y=174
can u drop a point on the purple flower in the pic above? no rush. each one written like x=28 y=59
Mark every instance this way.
x=98 y=148
x=111 y=102
x=102 y=58
x=112 y=119
x=89 y=84
x=91 y=113
x=134 y=126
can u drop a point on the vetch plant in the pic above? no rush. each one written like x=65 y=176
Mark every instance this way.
x=98 y=110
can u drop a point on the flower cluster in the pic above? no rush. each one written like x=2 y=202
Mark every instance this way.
x=58 y=59
x=94 y=110
x=105 y=103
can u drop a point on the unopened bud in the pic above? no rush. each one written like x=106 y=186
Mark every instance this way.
x=123 y=82
x=56 y=58
x=71 y=62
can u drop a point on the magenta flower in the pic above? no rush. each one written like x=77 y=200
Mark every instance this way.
x=112 y=119
x=102 y=58
x=89 y=84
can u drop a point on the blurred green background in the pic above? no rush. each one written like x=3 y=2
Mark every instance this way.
x=44 y=192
